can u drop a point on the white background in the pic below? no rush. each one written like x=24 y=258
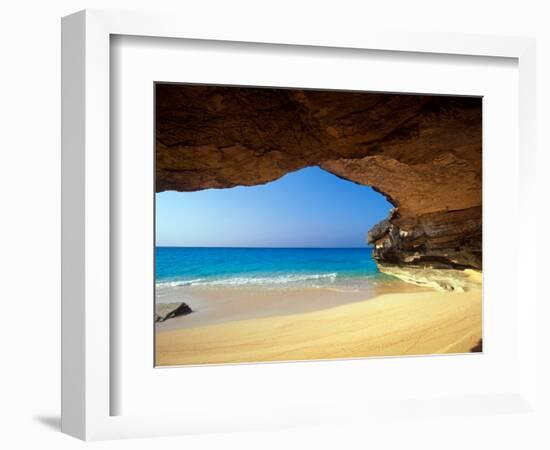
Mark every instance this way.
x=29 y=177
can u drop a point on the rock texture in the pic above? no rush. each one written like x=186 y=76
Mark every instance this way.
x=422 y=152
x=443 y=239
x=165 y=311
x=440 y=279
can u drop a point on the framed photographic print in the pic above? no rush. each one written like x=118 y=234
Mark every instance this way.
x=264 y=198
x=291 y=213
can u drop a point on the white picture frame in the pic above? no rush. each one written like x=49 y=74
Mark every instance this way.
x=87 y=385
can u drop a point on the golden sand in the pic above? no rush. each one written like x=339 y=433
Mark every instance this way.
x=388 y=325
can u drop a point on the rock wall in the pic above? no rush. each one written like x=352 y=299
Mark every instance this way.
x=422 y=152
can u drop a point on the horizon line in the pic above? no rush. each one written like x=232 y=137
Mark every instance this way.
x=231 y=246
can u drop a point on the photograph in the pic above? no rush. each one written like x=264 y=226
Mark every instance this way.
x=297 y=224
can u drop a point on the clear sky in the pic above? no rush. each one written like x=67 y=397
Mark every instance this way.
x=307 y=208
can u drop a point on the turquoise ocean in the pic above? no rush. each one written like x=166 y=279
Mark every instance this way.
x=266 y=267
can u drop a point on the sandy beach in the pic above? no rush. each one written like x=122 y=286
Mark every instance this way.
x=215 y=305
x=319 y=325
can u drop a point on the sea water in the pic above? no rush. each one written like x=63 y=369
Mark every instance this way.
x=266 y=267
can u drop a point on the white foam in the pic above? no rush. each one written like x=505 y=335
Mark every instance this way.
x=178 y=283
x=244 y=281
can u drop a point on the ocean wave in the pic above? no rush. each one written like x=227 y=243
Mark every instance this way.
x=261 y=281
x=178 y=283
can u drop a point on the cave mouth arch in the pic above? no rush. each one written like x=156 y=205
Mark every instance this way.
x=422 y=152
x=308 y=208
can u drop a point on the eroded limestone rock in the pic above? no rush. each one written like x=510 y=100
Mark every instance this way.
x=452 y=280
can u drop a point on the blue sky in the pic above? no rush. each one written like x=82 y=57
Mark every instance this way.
x=307 y=208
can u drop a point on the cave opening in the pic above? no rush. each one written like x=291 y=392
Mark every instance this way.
x=423 y=152
x=306 y=229
x=307 y=208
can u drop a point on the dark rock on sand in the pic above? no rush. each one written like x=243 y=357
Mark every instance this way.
x=478 y=348
x=165 y=311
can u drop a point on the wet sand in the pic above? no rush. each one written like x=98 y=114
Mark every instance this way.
x=215 y=305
